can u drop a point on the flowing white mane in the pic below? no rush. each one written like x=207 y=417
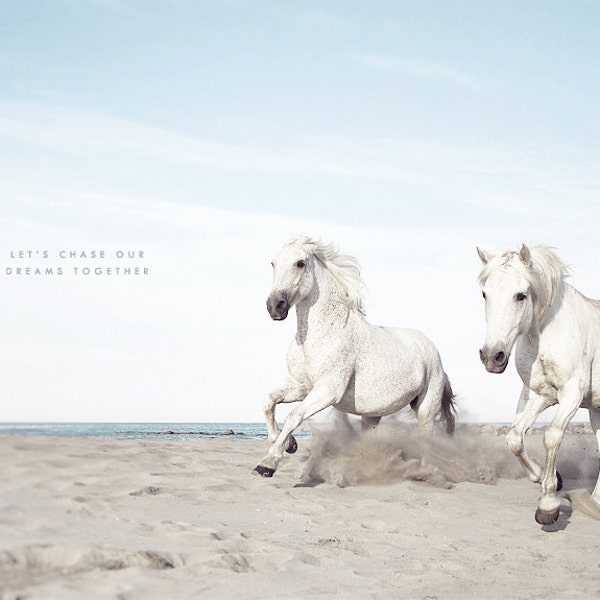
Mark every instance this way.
x=545 y=273
x=344 y=270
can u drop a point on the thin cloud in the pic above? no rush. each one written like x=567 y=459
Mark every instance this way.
x=295 y=13
x=123 y=7
x=64 y=130
x=69 y=131
x=423 y=70
x=472 y=173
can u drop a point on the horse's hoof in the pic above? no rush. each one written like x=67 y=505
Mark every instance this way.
x=559 y=482
x=264 y=471
x=292 y=445
x=546 y=517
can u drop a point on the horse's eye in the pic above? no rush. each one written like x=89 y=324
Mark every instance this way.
x=301 y=264
x=520 y=297
x=483 y=294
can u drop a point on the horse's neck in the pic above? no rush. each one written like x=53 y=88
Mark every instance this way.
x=557 y=310
x=322 y=311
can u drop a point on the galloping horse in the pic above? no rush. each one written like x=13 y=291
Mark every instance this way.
x=557 y=332
x=339 y=359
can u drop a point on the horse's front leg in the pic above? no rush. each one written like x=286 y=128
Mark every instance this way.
x=531 y=405
x=291 y=391
x=569 y=401
x=319 y=398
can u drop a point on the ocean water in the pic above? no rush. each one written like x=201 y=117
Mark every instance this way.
x=190 y=431
x=142 y=431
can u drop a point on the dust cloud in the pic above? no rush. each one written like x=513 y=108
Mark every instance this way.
x=345 y=456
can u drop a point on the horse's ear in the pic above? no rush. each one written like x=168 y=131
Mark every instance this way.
x=483 y=255
x=525 y=255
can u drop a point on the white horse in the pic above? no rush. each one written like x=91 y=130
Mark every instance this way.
x=557 y=331
x=339 y=359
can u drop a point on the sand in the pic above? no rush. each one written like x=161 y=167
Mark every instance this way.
x=345 y=517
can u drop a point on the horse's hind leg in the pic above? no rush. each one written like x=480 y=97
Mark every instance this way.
x=426 y=408
x=595 y=422
x=367 y=423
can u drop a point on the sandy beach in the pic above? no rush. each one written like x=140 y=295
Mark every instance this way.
x=347 y=516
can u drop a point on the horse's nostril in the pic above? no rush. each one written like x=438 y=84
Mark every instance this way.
x=281 y=305
x=499 y=358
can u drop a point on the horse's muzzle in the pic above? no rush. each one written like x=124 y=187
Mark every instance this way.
x=495 y=360
x=278 y=306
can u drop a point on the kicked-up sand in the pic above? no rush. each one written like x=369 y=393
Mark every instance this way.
x=347 y=516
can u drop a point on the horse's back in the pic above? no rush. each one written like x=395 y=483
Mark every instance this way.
x=412 y=341
x=393 y=367
x=398 y=354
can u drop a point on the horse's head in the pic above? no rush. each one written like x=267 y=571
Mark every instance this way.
x=508 y=304
x=293 y=279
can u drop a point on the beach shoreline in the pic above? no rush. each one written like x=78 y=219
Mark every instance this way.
x=344 y=517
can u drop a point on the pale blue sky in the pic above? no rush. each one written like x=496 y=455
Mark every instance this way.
x=206 y=133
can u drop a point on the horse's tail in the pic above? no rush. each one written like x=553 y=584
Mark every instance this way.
x=448 y=409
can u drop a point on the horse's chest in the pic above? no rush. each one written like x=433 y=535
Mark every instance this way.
x=547 y=376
